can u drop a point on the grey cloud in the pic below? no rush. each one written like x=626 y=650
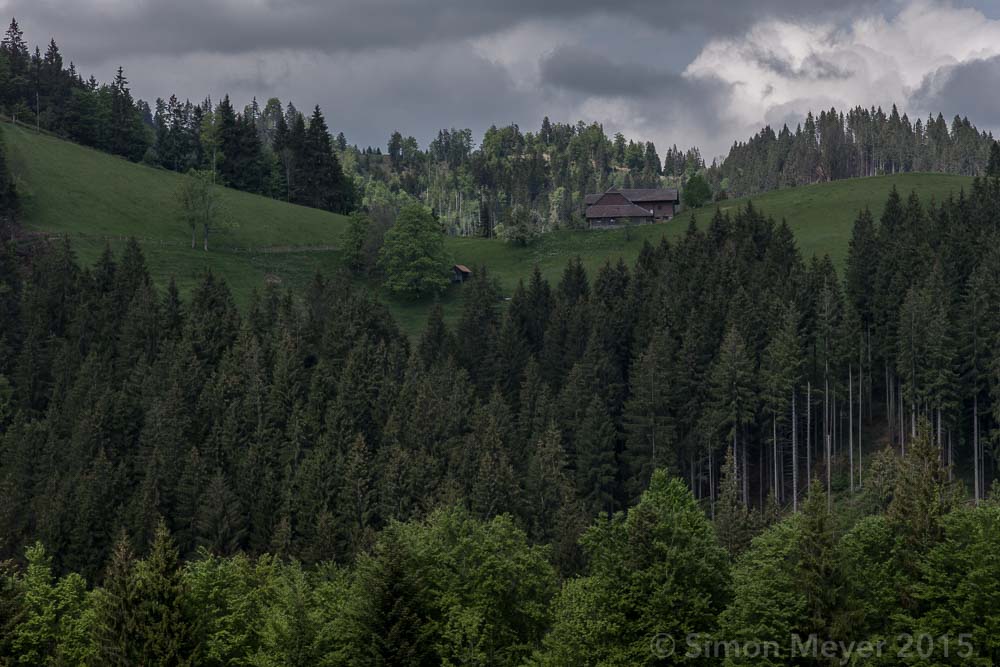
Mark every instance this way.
x=968 y=88
x=367 y=95
x=663 y=105
x=583 y=71
x=100 y=30
x=813 y=66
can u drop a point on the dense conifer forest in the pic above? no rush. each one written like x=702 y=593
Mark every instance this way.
x=862 y=142
x=597 y=471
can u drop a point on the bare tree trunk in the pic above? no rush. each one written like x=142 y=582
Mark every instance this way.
x=826 y=404
x=940 y=443
x=850 y=427
x=951 y=460
x=889 y=405
x=774 y=435
x=795 y=458
x=835 y=422
x=746 y=475
x=808 y=433
x=871 y=379
x=975 y=444
x=711 y=481
x=736 y=466
x=829 y=478
x=902 y=419
x=861 y=391
x=760 y=476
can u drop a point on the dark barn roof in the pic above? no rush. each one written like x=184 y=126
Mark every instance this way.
x=637 y=195
x=650 y=194
x=618 y=211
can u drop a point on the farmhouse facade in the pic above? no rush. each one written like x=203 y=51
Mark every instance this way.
x=618 y=207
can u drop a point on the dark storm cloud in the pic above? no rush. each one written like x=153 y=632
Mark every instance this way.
x=366 y=96
x=580 y=70
x=98 y=29
x=968 y=88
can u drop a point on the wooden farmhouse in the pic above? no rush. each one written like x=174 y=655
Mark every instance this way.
x=618 y=207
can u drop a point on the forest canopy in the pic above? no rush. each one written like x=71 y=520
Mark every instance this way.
x=723 y=407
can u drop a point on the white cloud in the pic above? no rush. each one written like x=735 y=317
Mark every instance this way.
x=779 y=70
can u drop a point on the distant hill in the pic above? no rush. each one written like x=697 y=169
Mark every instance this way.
x=95 y=198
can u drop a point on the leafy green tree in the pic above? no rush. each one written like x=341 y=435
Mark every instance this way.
x=959 y=587
x=657 y=569
x=227 y=597
x=697 y=191
x=767 y=605
x=519 y=227
x=291 y=623
x=413 y=256
x=51 y=612
x=406 y=605
x=873 y=579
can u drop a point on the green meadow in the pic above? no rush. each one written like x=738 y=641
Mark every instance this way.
x=95 y=198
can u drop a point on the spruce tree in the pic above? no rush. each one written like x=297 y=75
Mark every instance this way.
x=356 y=501
x=649 y=418
x=550 y=499
x=820 y=578
x=596 y=465
x=734 y=522
x=116 y=610
x=732 y=383
x=163 y=630
x=219 y=524
x=781 y=378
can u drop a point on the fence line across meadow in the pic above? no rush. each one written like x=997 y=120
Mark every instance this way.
x=248 y=250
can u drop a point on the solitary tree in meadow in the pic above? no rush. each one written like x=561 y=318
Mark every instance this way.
x=413 y=255
x=199 y=202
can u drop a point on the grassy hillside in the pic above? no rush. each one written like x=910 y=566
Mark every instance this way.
x=94 y=198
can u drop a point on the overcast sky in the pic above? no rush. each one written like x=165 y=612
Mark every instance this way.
x=670 y=71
